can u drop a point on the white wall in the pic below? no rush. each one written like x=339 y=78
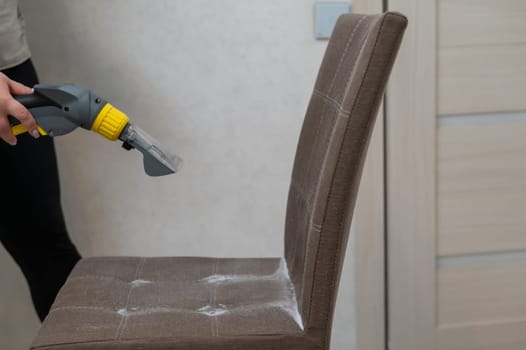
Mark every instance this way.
x=224 y=84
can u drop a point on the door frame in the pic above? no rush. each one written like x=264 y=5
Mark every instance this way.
x=411 y=181
x=369 y=229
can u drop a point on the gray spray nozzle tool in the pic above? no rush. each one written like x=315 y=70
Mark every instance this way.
x=157 y=161
x=60 y=109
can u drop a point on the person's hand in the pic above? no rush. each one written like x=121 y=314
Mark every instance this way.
x=10 y=106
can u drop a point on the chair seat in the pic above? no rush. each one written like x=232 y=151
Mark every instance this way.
x=174 y=303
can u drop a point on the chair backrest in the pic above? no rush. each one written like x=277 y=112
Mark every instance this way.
x=330 y=156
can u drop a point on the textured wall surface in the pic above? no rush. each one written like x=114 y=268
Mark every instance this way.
x=224 y=84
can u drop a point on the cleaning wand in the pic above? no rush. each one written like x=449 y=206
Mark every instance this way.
x=60 y=109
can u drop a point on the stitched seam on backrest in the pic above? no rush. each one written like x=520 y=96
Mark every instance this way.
x=353 y=33
x=332 y=133
x=301 y=292
x=347 y=45
x=331 y=101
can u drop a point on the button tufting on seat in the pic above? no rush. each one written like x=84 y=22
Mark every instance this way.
x=154 y=298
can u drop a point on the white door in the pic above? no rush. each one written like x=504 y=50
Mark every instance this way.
x=456 y=177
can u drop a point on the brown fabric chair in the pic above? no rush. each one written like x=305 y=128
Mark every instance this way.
x=274 y=303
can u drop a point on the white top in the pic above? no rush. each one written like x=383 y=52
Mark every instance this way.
x=13 y=45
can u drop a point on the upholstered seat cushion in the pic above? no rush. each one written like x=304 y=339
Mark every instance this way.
x=144 y=303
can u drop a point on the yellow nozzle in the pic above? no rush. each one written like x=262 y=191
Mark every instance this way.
x=110 y=122
x=20 y=129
